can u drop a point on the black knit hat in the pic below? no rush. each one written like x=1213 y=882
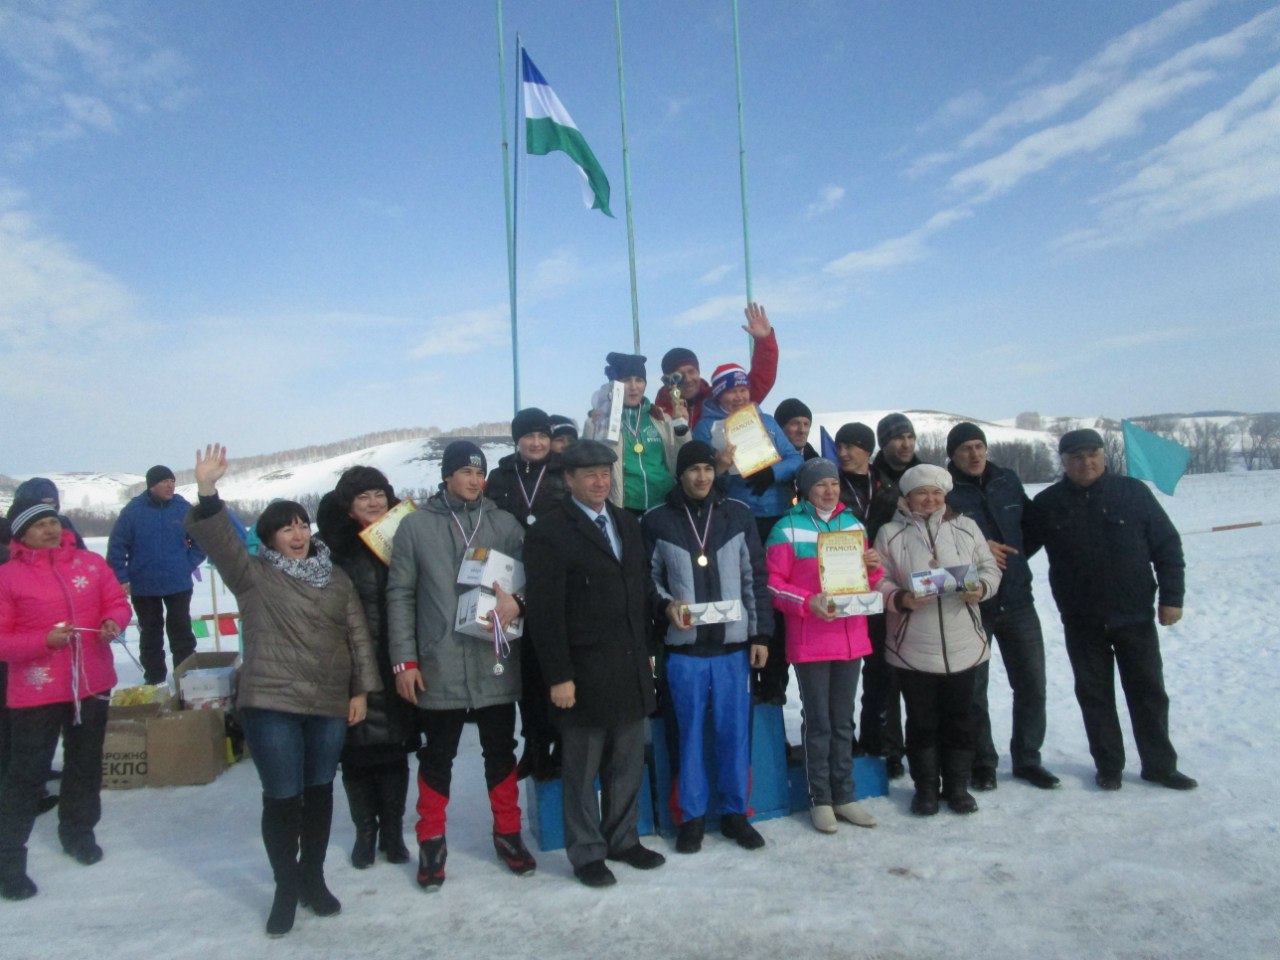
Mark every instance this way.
x=356 y=480
x=158 y=474
x=589 y=453
x=462 y=453
x=857 y=435
x=623 y=365
x=789 y=409
x=678 y=357
x=530 y=420
x=563 y=427
x=893 y=425
x=962 y=433
x=693 y=452
x=21 y=519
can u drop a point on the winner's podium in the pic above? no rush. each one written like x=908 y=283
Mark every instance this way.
x=777 y=788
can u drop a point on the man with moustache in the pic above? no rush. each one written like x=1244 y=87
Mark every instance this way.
x=589 y=602
x=796 y=420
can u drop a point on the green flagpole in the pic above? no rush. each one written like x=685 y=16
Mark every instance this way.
x=742 y=157
x=626 y=183
x=510 y=210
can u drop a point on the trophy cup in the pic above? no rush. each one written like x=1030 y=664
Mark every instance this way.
x=672 y=382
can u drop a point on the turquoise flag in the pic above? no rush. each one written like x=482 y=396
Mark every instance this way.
x=1154 y=458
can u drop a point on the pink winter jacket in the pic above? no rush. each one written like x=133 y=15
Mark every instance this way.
x=792 y=558
x=40 y=589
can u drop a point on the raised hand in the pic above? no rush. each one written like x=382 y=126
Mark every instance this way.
x=757 y=324
x=210 y=468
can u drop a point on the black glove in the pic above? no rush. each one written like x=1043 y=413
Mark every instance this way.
x=761 y=482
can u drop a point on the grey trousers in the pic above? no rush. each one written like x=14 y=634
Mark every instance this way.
x=595 y=829
x=827 y=689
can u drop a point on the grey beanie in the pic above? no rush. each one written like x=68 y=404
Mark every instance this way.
x=812 y=471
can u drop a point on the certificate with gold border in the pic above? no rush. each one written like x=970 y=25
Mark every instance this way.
x=753 y=447
x=841 y=565
x=379 y=534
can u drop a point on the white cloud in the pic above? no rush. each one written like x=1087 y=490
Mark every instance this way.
x=898 y=250
x=80 y=66
x=723 y=307
x=1227 y=160
x=965 y=106
x=554 y=273
x=716 y=274
x=467 y=331
x=830 y=198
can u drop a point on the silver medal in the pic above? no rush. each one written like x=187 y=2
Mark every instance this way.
x=498 y=669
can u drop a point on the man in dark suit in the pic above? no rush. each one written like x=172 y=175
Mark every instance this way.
x=589 y=600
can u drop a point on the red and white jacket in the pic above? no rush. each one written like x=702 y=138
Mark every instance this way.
x=40 y=589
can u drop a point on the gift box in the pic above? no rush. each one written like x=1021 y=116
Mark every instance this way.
x=855 y=604
x=940 y=580
x=474 y=607
x=482 y=567
x=205 y=677
x=718 y=611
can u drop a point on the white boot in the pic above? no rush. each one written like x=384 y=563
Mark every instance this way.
x=854 y=813
x=824 y=818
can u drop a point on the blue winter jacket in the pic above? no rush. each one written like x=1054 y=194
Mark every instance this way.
x=995 y=502
x=776 y=500
x=149 y=548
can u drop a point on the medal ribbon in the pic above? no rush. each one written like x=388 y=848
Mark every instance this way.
x=466 y=541
x=530 y=497
x=706 y=530
x=501 y=645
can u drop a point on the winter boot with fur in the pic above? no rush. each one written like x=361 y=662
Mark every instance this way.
x=281 y=825
x=362 y=792
x=317 y=818
x=14 y=882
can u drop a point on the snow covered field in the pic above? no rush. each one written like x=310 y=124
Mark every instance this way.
x=1145 y=872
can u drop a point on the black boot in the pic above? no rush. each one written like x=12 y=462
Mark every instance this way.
x=392 y=786
x=14 y=882
x=955 y=781
x=281 y=825
x=362 y=791
x=317 y=818
x=924 y=771
x=432 y=855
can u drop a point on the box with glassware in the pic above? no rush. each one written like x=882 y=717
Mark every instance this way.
x=481 y=569
x=207 y=680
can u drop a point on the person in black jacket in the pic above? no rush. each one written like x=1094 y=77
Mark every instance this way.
x=796 y=420
x=702 y=548
x=993 y=498
x=1105 y=534
x=527 y=484
x=375 y=768
x=588 y=602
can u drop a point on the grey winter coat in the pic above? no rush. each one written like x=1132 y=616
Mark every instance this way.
x=306 y=650
x=422 y=604
x=945 y=636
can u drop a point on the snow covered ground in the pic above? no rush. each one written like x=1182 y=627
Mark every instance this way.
x=1145 y=872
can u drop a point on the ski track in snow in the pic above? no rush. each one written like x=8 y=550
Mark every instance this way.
x=1141 y=873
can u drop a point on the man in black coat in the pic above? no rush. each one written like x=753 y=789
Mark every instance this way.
x=587 y=606
x=1104 y=535
x=527 y=484
x=993 y=498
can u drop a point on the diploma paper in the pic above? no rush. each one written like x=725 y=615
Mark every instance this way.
x=753 y=448
x=841 y=567
x=379 y=534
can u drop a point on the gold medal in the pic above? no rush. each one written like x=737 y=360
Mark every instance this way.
x=702 y=560
x=638 y=448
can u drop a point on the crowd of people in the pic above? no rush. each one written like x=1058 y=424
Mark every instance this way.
x=627 y=536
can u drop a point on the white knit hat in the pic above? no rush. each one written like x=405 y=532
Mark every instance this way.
x=925 y=475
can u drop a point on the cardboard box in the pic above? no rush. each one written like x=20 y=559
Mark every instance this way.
x=186 y=747
x=208 y=703
x=940 y=580
x=703 y=614
x=124 y=755
x=856 y=604
x=482 y=566
x=473 y=607
x=207 y=676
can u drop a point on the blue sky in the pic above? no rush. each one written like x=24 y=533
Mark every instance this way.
x=276 y=224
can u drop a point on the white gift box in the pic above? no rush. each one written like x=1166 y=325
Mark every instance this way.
x=704 y=614
x=474 y=607
x=855 y=604
x=932 y=583
x=482 y=566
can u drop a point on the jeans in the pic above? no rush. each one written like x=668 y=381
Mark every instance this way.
x=1017 y=631
x=1095 y=651
x=156 y=616
x=292 y=751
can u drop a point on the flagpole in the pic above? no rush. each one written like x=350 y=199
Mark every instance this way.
x=742 y=156
x=626 y=183
x=510 y=213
